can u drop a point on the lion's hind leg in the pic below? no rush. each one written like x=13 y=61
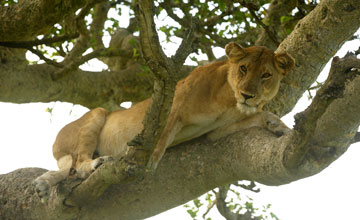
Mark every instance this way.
x=49 y=179
x=88 y=138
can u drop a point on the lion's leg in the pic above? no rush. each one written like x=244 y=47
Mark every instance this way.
x=266 y=120
x=44 y=182
x=74 y=148
x=88 y=140
x=172 y=127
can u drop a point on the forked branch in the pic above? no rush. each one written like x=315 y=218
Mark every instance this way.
x=165 y=70
x=317 y=134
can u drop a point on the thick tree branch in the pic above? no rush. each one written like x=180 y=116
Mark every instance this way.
x=158 y=187
x=90 y=89
x=108 y=89
x=119 y=171
x=190 y=169
x=81 y=45
x=96 y=29
x=164 y=84
x=46 y=41
x=24 y=20
x=327 y=127
x=87 y=37
x=312 y=43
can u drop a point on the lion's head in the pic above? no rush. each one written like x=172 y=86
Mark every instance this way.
x=255 y=74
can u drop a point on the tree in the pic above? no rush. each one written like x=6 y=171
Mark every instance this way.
x=311 y=32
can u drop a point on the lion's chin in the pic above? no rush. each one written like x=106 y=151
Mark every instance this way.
x=247 y=109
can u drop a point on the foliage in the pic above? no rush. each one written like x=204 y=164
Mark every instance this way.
x=220 y=22
x=238 y=201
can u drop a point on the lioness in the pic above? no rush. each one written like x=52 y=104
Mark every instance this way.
x=218 y=99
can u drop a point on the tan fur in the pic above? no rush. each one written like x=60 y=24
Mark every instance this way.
x=211 y=99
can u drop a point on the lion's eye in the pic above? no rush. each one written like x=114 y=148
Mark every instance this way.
x=243 y=68
x=266 y=76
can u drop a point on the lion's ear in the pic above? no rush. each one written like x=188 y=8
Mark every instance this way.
x=285 y=62
x=234 y=51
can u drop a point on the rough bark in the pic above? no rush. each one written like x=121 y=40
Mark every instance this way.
x=328 y=125
x=196 y=167
x=315 y=39
x=106 y=89
x=26 y=19
x=165 y=70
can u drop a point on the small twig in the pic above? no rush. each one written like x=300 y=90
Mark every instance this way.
x=41 y=56
x=356 y=138
x=185 y=47
x=85 y=10
x=357 y=52
x=97 y=53
x=318 y=86
x=250 y=7
x=225 y=210
x=250 y=187
x=30 y=44
x=215 y=19
x=171 y=14
x=212 y=204
x=132 y=25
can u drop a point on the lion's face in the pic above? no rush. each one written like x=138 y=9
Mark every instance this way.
x=255 y=74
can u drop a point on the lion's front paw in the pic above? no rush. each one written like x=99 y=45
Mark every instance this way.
x=42 y=188
x=99 y=161
x=274 y=124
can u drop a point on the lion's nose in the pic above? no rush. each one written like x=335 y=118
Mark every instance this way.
x=247 y=96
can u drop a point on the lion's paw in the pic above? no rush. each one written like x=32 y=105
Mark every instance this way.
x=274 y=124
x=99 y=161
x=42 y=188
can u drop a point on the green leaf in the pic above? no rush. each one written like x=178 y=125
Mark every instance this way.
x=222 y=6
x=285 y=19
x=49 y=110
x=197 y=203
x=135 y=53
x=192 y=213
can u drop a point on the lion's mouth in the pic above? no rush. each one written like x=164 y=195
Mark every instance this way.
x=246 y=104
x=246 y=108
